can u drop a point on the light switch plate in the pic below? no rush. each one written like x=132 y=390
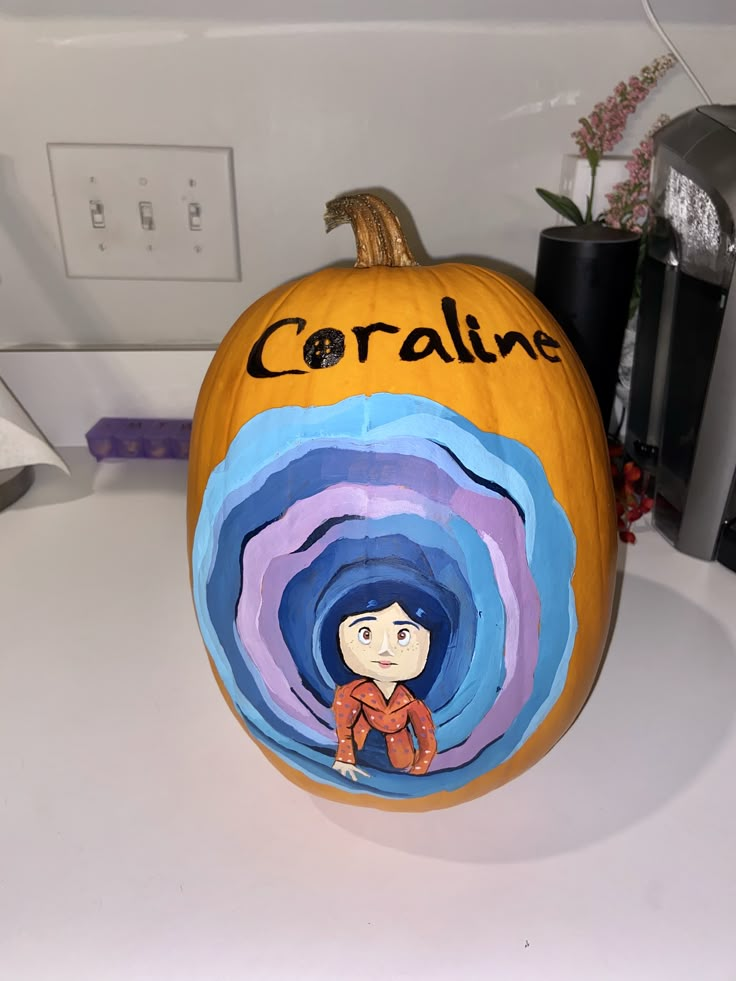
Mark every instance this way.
x=146 y=212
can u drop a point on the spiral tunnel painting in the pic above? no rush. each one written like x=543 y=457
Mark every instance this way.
x=385 y=592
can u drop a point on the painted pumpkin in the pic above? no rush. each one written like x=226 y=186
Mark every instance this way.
x=401 y=524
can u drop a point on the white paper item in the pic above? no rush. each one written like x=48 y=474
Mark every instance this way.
x=22 y=444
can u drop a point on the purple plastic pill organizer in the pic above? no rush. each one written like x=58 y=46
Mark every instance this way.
x=154 y=439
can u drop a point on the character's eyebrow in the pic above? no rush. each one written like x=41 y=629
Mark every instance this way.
x=360 y=620
x=406 y=623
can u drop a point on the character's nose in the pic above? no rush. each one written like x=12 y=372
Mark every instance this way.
x=385 y=647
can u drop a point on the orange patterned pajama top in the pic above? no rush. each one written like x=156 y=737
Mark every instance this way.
x=360 y=706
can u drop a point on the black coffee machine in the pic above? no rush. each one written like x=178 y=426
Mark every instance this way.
x=682 y=407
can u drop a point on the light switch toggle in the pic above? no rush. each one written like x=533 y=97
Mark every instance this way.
x=145 y=209
x=97 y=213
x=195 y=217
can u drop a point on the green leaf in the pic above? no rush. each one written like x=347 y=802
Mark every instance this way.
x=562 y=205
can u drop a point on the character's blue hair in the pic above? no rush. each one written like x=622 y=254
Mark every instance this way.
x=425 y=601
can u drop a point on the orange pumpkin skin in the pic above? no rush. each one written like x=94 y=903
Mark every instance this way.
x=502 y=364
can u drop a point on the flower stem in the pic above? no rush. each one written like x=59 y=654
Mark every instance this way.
x=589 y=204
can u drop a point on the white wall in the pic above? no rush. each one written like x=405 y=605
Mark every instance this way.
x=457 y=120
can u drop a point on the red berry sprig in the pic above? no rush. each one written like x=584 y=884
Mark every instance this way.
x=630 y=486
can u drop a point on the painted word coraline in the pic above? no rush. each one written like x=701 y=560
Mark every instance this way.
x=326 y=346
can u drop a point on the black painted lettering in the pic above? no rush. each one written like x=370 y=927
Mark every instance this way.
x=409 y=351
x=506 y=343
x=476 y=341
x=324 y=348
x=542 y=341
x=363 y=333
x=449 y=309
x=256 y=367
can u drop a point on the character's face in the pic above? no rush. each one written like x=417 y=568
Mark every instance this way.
x=385 y=645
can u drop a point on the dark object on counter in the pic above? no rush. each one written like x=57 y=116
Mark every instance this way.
x=682 y=407
x=13 y=485
x=585 y=278
x=727 y=549
x=155 y=439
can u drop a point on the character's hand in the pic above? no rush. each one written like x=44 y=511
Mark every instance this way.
x=349 y=770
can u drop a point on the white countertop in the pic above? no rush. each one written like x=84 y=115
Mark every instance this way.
x=143 y=835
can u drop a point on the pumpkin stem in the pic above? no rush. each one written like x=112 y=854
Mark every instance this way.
x=379 y=239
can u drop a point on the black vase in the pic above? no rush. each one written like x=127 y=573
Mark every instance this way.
x=585 y=278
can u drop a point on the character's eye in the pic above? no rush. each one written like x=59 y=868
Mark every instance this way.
x=403 y=636
x=364 y=635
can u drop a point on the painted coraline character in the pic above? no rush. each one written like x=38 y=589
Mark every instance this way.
x=385 y=646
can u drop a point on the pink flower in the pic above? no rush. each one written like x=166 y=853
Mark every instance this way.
x=597 y=135
x=628 y=201
x=603 y=129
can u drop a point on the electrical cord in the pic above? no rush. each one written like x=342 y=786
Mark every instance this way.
x=660 y=30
